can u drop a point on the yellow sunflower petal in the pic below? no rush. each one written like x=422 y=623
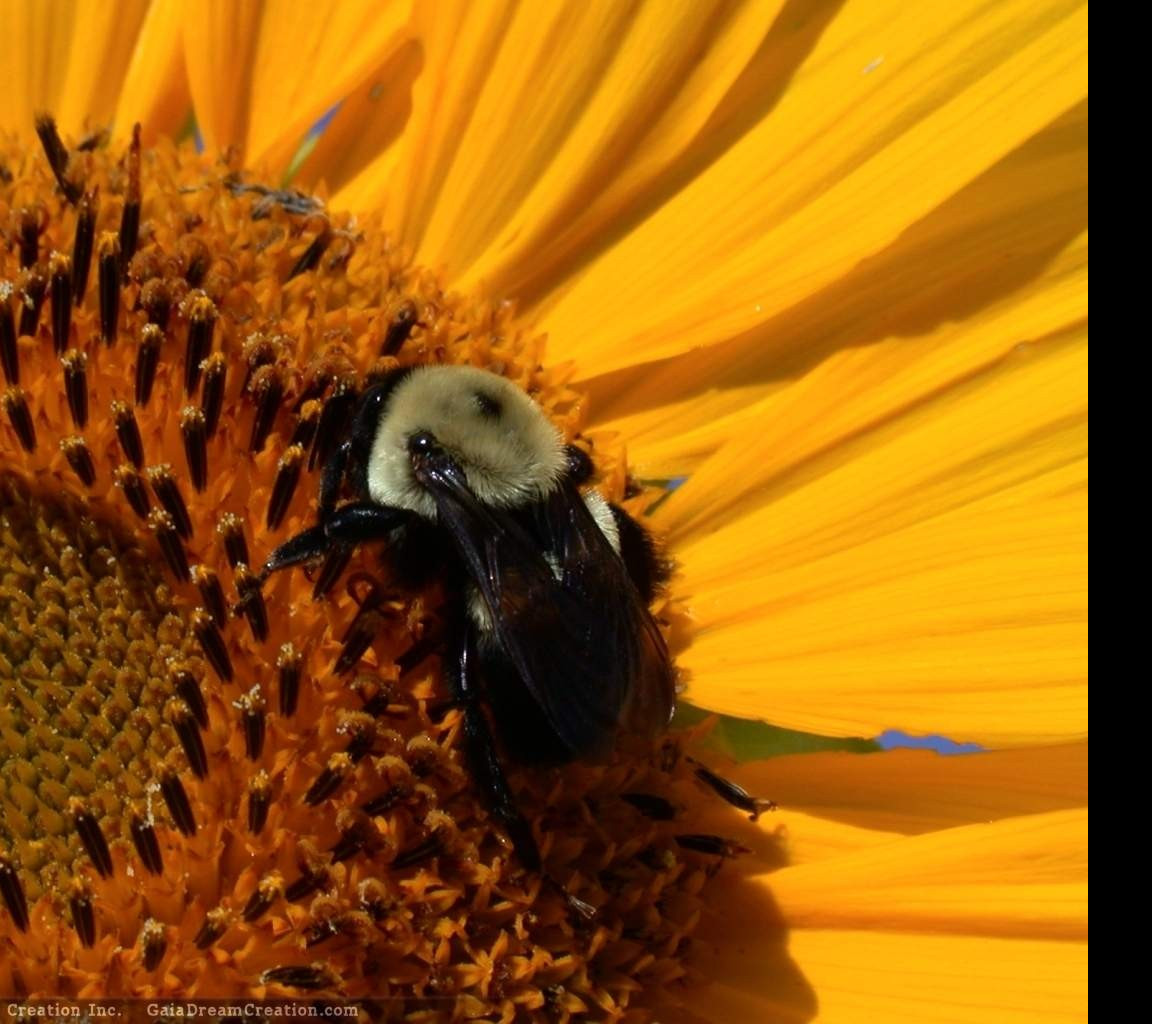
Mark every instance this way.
x=220 y=46
x=914 y=791
x=155 y=91
x=1017 y=878
x=846 y=976
x=458 y=42
x=798 y=838
x=980 y=923
x=261 y=75
x=589 y=125
x=995 y=259
x=887 y=119
x=363 y=132
x=925 y=574
x=67 y=58
x=833 y=804
x=788 y=836
x=953 y=979
x=887 y=388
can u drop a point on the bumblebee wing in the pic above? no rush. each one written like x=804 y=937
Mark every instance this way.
x=630 y=650
x=574 y=628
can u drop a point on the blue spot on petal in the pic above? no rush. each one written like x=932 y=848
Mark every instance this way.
x=894 y=739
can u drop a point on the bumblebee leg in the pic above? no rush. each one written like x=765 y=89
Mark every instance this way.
x=460 y=669
x=355 y=523
x=331 y=479
x=304 y=547
x=361 y=521
x=335 y=538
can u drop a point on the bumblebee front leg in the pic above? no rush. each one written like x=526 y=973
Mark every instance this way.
x=334 y=539
x=460 y=662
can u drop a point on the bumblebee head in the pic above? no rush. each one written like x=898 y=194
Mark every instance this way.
x=507 y=449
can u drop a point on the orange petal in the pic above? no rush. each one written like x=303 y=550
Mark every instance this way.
x=915 y=791
x=980 y=923
x=995 y=258
x=782 y=838
x=261 y=75
x=830 y=805
x=220 y=45
x=364 y=132
x=1016 y=878
x=155 y=92
x=596 y=102
x=925 y=573
x=887 y=118
x=459 y=42
x=852 y=976
x=953 y=979
x=66 y=58
x=856 y=392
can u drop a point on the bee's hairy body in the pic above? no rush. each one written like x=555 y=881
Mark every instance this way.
x=546 y=618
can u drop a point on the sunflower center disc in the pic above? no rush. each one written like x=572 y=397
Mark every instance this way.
x=88 y=633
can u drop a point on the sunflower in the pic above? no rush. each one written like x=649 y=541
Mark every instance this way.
x=822 y=266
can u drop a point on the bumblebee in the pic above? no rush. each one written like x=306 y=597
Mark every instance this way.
x=547 y=587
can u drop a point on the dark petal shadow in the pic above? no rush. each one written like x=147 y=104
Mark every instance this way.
x=739 y=960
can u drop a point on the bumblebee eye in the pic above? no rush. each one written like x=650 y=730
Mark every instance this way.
x=579 y=464
x=490 y=408
x=421 y=443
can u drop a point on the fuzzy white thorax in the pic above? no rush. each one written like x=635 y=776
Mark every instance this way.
x=508 y=449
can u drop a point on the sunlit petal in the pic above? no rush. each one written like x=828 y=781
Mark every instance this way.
x=915 y=791
x=980 y=923
x=865 y=143
x=614 y=99
x=155 y=92
x=68 y=58
x=909 y=979
x=1001 y=259
x=923 y=573
x=1020 y=877
x=262 y=74
x=458 y=42
x=219 y=54
x=366 y=129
